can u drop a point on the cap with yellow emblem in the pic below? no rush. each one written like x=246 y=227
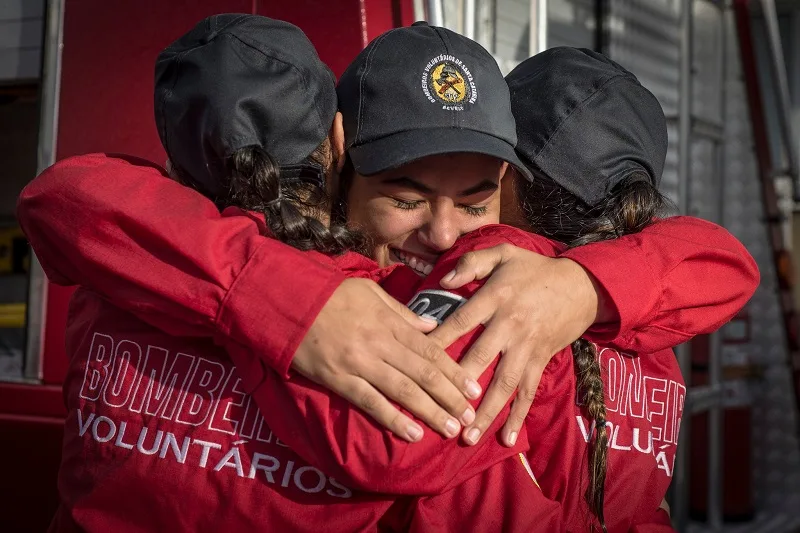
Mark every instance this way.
x=420 y=91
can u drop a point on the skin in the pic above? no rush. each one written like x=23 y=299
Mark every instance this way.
x=414 y=213
x=511 y=211
x=388 y=356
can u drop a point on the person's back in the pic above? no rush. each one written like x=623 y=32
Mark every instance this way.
x=155 y=420
x=643 y=404
x=620 y=439
x=161 y=435
x=645 y=394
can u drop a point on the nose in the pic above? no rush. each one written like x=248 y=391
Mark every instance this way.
x=441 y=229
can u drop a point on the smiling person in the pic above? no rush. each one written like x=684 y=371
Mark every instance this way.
x=426 y=151
x=82 y=186
x=529 y=296
x=327 y=347
x=435 y=208
x=157 y=419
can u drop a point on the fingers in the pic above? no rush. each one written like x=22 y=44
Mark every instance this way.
x=486 y=349
x=474 y=265
x=522 y=403
x=426 y=349
x=439 y=376
x=504 y=382
x=403 y=390
x=365 y=396
x=476 y=311
x=419 y=323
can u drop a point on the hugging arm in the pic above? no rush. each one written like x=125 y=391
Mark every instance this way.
x=643 y=292
x=120 y=227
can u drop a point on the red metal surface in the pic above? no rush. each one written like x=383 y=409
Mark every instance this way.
x=381 y=15
x=31 y=400
x=403 y=12
x=339 y=29
x=106 y=95
x=54 y=360
x=107 y=70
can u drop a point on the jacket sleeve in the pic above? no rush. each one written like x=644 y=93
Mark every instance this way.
x=677 y=278
x=100 y=222
x=339 y=439
x=502 y=498
x=165 y=253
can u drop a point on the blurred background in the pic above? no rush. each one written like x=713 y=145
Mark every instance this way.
x=76 y=77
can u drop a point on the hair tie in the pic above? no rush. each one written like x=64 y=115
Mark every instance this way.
x=600 y=423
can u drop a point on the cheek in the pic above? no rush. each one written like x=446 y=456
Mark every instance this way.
x=385 y=224
x=492 y=215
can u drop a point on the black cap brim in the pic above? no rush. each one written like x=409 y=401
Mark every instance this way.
x=405 y=147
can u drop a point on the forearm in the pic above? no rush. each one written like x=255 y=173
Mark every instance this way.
x=340 y=439
x=677 y=278
x=166 y=254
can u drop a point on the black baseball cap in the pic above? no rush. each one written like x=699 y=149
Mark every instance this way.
x=420 y=91
x=239 y=80
x=586 y=122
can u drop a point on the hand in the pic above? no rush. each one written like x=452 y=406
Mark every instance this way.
x=532 y=307
x=364 y=345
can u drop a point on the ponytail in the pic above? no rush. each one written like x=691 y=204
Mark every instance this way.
x=292 y=207
x=556 y=213
x=590 y=390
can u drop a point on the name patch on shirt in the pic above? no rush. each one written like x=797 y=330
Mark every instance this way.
x=435 y=304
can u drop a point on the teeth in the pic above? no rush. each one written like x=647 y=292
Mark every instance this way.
x=421 y=267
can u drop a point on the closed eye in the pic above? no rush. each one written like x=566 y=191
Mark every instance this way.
x=475 y=210
x=407 y=204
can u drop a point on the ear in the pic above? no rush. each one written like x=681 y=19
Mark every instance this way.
x=508 y=172
x=336 y=136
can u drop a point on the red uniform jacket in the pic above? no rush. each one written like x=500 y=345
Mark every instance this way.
x=208 y=282
x=161 y=435
x=644 y=402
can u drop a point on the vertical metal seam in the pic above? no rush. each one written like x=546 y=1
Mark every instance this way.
x=684 y=156
x=36 y=312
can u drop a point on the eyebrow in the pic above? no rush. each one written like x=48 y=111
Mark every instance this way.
x=485 y=185
x=405 y=181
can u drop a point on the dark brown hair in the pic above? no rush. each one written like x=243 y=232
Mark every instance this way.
x=346 y=177
x=556 y=213
x=292 y=206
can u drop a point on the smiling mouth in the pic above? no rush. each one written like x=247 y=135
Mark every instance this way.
x=418 y=265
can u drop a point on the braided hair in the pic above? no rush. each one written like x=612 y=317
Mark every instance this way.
x=293 y=207
x=556 y=213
